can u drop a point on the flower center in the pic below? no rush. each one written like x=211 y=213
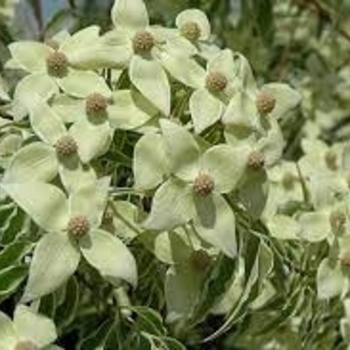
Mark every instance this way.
x=78 y=226
x=191 y=31
x=26 y=345
x=57 y=64
x=256 y=160
x=96 y=105
x=216 y=82
x=143 y=42
x=265 y=103
x=331 y=160
x=200 y=260
x=337 y=219
x=203 y=185
x=66 y=146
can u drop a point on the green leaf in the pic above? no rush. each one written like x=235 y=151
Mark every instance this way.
x=182 y=149
x=149 y=162
x=13 y=253
x=225 y=164
x=34 y=162
x=109 y=256
x=130 y=15
x=172 y=206
x=205 y=109
x=215 y=223
x=15 y=226
x=10 y=279
x=32 y=326
x=44 y=203
x=149 y=78
x=55 y=259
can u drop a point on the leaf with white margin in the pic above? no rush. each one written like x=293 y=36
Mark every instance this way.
x=198 y=17
x=46 y=204
x=182 y=149
x=150 y=79
x=330 y=280
x=90 y=199
x=109 y=256
x=205 y=109
x=172 y=206
x=287 y=99
x=283 y=227
x=130 y=110
x=30 y=55
x=34 y=85
x=130 y=14
x=34 y=162
x=93 y=139
x=182 y=288
x=225 y=164
x=185 y=70
x=34 y=327
x=45 y=122
x=55 y=259
x=8 y=333
x=149 y=162
x=4 y=90
x=81 y=83
x=216 y=224
x=315 y=226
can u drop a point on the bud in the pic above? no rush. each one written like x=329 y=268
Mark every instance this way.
x=256 y=160
x=265 y=102
x=200 y=260
x=143 y=42
x=96 y=105
x=337 y=220
x=57 y=64
x=288 y=180
x=26 y=345
x=203 y=185
x=66 y=146
x=331 y=160
x=78 y=226
x=191 y=31
x=216 y=82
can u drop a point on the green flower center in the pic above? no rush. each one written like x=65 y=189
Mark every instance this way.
x=66 y=146
x=265 y=103
x=57 y=64
x=337 y=220
x=216 y=82
x=331 y=160
x=191 y=31
x=78 y=226
x=256 y=160
x=143 y=42
x=26 y=345
x=203 y=185
x=200 y=260
x=96 y=105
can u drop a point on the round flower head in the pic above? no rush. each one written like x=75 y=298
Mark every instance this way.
x=96 y=105
x=256 y=160
x=265 y=102
x=345 y=259
x=191 y=31
x=203 y=185
x=66 y=146
x=216 y=82
x=26 y=345
x=78 y=226
x=200 y=260
x=143 y=42
x=331 y=160
x=57 y=64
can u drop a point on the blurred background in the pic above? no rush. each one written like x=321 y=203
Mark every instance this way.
x=303 y=42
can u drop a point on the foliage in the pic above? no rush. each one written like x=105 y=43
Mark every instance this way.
x=159 y=193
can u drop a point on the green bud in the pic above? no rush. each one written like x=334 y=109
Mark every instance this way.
x=200 y=260
x=256 y=160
